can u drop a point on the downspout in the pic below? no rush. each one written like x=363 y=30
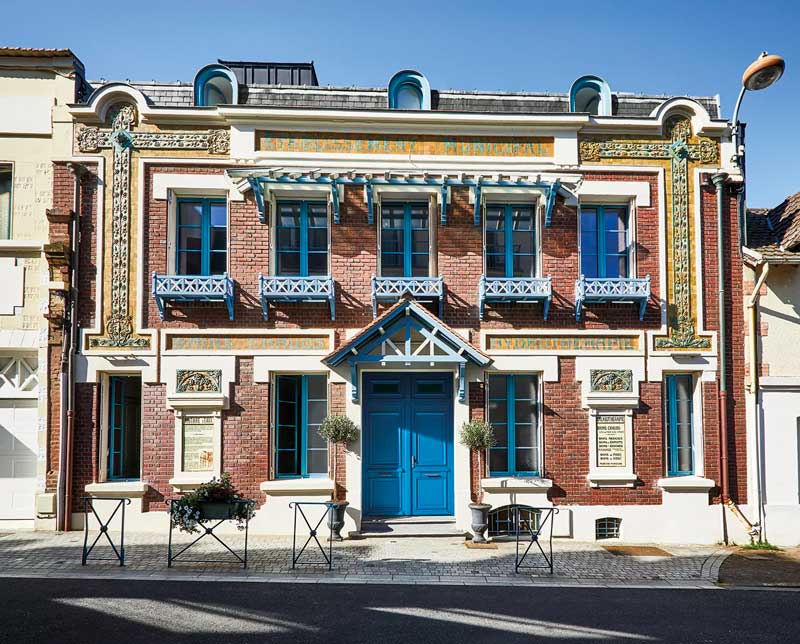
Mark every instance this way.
x=752 y=322
x=68 y=358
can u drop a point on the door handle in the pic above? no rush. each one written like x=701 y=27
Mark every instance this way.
x=433 y=476
x=413 y=461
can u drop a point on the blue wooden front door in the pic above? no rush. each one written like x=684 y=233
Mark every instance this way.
x=408 y=444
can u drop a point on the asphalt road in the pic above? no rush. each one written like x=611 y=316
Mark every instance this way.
x=103 y=611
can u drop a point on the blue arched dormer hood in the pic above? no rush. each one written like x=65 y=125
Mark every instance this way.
x=590 y=94
x=404 y=86
x=215 y=84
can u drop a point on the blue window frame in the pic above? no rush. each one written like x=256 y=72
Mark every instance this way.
x=510 y=241
x=679 y=389
x=302 y=238
x=605 y=243
x=202 y=237
x=513 y=412
x=405 y=240
x=300 y=407
x=124 y=427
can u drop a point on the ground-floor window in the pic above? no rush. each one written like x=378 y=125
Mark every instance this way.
x=124 y=427
x=678 y=393
x=301 y=405
x=513 y=413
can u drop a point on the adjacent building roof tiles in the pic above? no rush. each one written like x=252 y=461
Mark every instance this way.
x=775 y=233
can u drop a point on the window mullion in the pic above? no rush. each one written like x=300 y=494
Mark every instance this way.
x=512 y=422
x=303 y=238
x=205 y=238
x=407 y=240
x=302 y=411
x=508 y=236
x=601 y=242
x=673 y=425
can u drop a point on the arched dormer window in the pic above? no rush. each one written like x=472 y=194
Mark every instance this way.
x=215 y=85
x=409 y=90
x=590 y=94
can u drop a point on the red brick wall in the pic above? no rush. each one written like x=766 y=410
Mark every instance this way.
x=85 y=441
x=337 y=404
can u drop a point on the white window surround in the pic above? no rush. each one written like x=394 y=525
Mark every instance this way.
x=133 y=489
x=419 y=194
x=195 y=185
x=295 y=193
x=687 y=482
x=102 y=457
x=603 y=476
x=189 y=480
x=609 y=192
x=286 y=487
x=516 y=196
x=630 y=204
x=516 y=484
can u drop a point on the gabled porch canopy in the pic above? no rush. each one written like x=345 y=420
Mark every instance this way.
x=407 y=335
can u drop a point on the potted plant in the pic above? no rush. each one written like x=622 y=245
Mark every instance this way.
x=478 y=436
x=337 y=430
x=213 y=501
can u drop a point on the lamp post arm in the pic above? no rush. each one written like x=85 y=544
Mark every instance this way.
x=735 y=128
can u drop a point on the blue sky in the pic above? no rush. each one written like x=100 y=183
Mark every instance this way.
x=677 y=47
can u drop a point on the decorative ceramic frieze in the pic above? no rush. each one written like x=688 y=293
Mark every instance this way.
x=611 y=380
x=562 y=343
x=198 y=381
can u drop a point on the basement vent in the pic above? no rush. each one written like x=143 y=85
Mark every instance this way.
x=501 y=521
x=607 y=528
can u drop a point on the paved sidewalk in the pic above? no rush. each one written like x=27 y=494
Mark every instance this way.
x=376 y=560
x=754 y=568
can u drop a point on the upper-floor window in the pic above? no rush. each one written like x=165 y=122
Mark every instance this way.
x=513 y=413
x=409 y=90
x=605 y=247
x=300 y=407
x=405 y=240
x=202 y=247
x=679 y=389
x=302 y=238
x=124 y=427
x=510 y=241
x=6 y=180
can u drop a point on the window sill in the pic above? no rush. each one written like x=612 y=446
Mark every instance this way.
x=516 y=484
x=309 y=486
x=611 y=479
x=20 y=245
x=686 y=484
x=187 y=483
x=133 y=489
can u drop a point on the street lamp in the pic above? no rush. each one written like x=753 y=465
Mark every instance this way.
x=760 y=74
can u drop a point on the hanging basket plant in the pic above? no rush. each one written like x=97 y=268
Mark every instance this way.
x=213 y=501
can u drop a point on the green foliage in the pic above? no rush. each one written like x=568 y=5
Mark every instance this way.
x=477 y=435
x=761 y=545
x=186 y=514
x=338 y=429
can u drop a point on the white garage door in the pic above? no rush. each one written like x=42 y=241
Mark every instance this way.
x=17 y=458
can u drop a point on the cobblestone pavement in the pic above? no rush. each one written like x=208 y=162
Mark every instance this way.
x=374 y=560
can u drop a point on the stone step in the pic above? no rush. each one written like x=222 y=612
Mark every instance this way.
x=410 y=527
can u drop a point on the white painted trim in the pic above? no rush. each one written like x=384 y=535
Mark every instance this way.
x=311 y=485
x=685 y=484
x=603 y=476
x=133 y=489
x=516 y=484
x=20 y=246
x=618 y=191
x=545 y=366
x=211 y=185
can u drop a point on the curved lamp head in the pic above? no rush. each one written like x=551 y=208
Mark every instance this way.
x=763 y=72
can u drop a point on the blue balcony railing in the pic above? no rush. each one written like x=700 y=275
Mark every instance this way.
x=296 y=289
x=618 y=289
x=516 y=289
x=391 y=289
x=193 y=288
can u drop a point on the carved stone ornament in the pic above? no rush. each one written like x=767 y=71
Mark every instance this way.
x=198 y=381
x=219 y=141
x=89 y=139
x=616 y=380
x=680 y=151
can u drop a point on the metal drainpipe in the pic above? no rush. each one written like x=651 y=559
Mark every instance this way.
x=68 y=361
x=752 y=319
x=718 y=180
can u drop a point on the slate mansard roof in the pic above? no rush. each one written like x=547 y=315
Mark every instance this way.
x=181 y=94
x=775 y=233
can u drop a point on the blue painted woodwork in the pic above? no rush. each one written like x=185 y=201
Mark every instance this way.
x=513 y=413
x=620 y=289
x=404 y=228
x=590 y=94
x=301 y=238
x=516 y=289
x=444 y=204
x=605 y=241
x=510 y=240
x=257 y=182
x=405 y=80
x=296 y=289
x=680 y=424
x=193 y=288
x=390 y=340
x=202 y=237
x=124 y=427
x=408 y=444
x=203 y=90
x=391 y=289
x=301 y=403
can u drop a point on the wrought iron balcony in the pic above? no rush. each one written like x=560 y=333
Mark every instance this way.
x=516 y=289
x=393 y=288
x=617 y=289
x=193 y=288
x=296 y=289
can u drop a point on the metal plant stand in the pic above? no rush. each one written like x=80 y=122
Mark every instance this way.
x=330 y=508
x=88 y=505
x=209 y=531
x=525 y=530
